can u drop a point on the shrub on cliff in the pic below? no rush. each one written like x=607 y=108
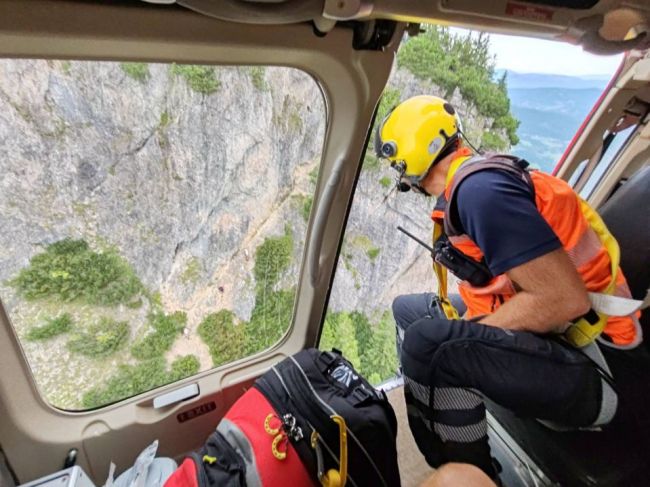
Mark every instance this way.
x=51 y=328
x=100 y=339
x=166 y=329
x=201 y=79
x=225 y=339
x=69 y=270
x=137 y=71
x=184 y=367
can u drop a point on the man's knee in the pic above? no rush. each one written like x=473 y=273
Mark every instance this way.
x=408 y=308
x=399 y=308
x=426 y=335
x=421 y=340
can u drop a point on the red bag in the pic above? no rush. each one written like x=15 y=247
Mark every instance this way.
x=249 y=448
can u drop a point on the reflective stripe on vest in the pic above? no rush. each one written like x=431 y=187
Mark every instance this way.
x=577 y=226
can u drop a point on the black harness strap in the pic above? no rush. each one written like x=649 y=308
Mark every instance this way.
x=511 y=164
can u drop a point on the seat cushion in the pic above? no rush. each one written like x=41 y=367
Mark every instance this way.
x=627 y=215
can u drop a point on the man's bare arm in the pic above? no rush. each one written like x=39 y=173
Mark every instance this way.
x=550 y=292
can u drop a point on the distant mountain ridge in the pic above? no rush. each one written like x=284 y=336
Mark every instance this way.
x=550 y=108
x=518 y=80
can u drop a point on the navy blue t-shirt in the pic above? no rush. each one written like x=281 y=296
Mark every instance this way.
x=497 y=211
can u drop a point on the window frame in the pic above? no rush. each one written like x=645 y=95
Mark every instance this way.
x=226 y=366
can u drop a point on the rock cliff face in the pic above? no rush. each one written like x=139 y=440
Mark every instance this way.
x=178 y=181
x=186 y=173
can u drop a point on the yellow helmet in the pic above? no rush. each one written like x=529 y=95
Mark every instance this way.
x=417 y=134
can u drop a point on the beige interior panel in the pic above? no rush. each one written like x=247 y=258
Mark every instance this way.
x=606 y=20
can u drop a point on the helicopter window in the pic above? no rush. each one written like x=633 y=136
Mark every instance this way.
x=612 y=150
x=154 y=217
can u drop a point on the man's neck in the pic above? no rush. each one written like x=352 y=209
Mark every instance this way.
x=435 y=181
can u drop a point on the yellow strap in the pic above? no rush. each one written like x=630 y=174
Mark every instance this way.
x=441 y=274
x=582 y=333
x=439 y=270
x=343 y=450
x=333 y=477
x=209 y=459
x=453 y=168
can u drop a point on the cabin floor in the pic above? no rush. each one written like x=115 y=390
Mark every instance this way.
x=412 y=466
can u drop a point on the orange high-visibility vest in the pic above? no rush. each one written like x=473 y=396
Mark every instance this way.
x=559 y=205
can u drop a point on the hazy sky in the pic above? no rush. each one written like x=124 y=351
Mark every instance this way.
x=527 y=55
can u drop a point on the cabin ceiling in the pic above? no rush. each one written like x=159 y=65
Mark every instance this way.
x=601 y=27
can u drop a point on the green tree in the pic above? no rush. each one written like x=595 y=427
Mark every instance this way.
x=272 y=258
x=389 y=99
x=100 y=339
x=270 y=319
x=379 y=356
x=369 y=346
x=492 y=142
x=339 y=332
x=130 y=380
x=464 y=62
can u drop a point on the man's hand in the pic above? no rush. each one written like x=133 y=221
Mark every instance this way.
x=550 y=292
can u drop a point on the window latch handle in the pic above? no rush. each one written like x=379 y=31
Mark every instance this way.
x=177 y=395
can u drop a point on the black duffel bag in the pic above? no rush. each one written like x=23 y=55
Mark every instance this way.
x=316 y=387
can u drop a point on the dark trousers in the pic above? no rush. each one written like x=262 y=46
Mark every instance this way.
x=450 y=365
